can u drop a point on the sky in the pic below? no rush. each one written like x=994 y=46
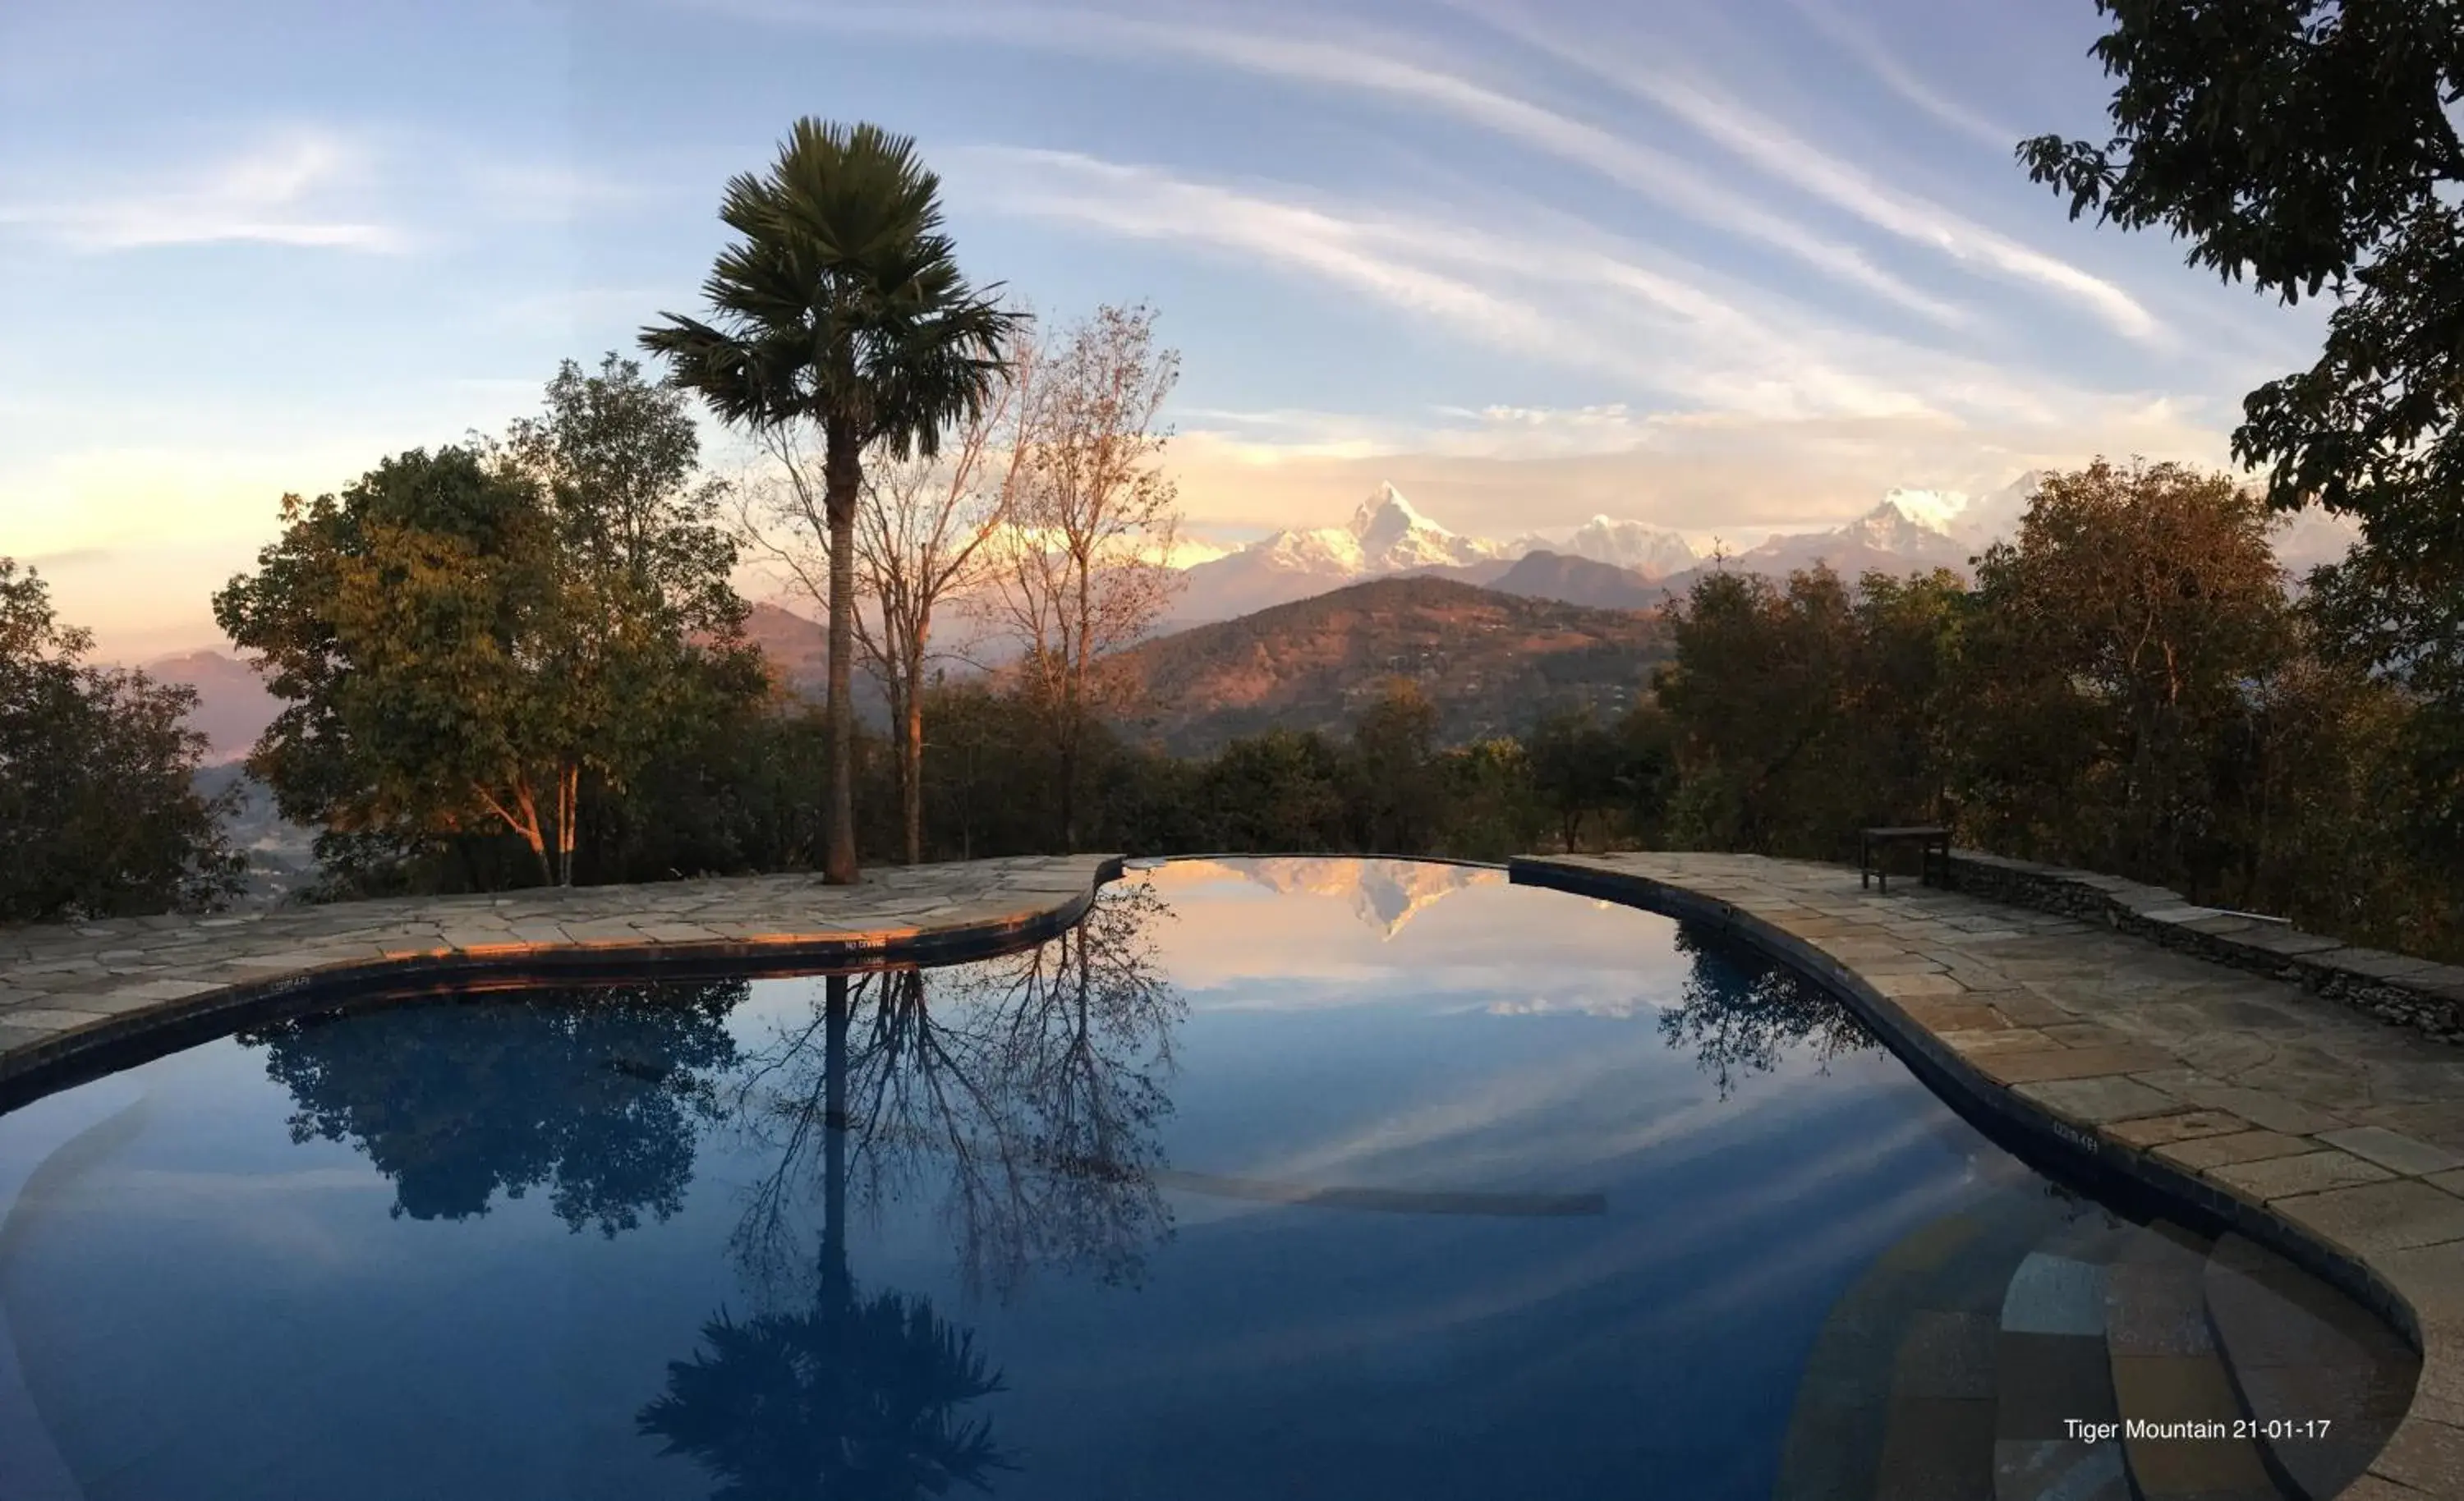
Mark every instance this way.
x=1732 y=269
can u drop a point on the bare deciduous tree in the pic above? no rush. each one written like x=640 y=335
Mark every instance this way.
x=1083 y=569
x=921 y=538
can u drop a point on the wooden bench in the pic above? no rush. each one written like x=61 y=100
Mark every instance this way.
x=1928 y=838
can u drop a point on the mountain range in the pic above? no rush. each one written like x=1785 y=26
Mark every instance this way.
x=1605 y=562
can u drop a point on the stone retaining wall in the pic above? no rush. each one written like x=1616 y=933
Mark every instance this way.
x=2419 y=994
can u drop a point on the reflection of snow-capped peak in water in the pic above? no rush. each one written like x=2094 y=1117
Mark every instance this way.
x=1385 y=893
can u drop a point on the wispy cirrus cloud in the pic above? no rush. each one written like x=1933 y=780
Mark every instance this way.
x=295 y=189
x=1660 y=175
x=381 y=192
x=1877 y=60
x=1790 y=158
x=1558 y=294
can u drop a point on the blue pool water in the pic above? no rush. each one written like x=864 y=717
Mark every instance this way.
x=1278 y=1178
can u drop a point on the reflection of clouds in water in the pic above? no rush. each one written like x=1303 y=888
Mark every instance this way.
x=1637 y=1238
x=1616 y=1008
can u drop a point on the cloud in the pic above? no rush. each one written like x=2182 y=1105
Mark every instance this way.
x=1854 y=40
x=323 y=187
x=1660 y=175
x=1791 y=158
x=1558 y=292
x=286 y=190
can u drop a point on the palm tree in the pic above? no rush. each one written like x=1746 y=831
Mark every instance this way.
x=841 y=307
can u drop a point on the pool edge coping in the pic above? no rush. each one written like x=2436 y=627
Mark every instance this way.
x=2082 y=1145
x=70 y=1055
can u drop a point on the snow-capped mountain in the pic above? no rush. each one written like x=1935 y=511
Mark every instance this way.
x=1384 y=894
x=1385 y=535
x=1909 y=529
x=1645 y=549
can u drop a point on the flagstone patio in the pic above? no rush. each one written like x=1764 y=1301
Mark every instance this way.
x=2288 y=1115
x=76 y=999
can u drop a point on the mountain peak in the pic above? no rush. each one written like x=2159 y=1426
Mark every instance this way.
x=1389 y=515
x=1637 y=545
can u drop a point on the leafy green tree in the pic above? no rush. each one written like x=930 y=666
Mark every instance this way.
x=2313 y=144
x=840 y=308
x=1575 y=764
x=2111 y=669
x=597 y=1095
x=1492 y=812
x=1392 y=783
x=1281 y=790
x=461 y=636
x=1646 y=770
x=97 y=785
x=1757 y=698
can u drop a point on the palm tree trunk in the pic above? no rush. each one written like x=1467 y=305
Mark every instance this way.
x=841 y=485
x=835 y=1280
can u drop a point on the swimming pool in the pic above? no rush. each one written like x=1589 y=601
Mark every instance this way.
x=1274 y=1177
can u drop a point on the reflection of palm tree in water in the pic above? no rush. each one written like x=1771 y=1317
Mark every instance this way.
x=851 y=1398
x=1036 y=1086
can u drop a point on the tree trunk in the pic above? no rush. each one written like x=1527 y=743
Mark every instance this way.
x=835 y=1280
x=528 y=826
x=912 y=751
x=568 y=802
x=841 y=485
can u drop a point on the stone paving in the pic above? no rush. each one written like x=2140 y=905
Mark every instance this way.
x=2342 y=1127
x=68 y=990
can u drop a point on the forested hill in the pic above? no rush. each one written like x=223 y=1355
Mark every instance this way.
x=1491 y=662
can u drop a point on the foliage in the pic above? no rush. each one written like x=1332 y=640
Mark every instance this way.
x=1393 y=785
x=2128 y=689
x=1576 y=765
x=2110 y=668
x=483 y=636
x=855 y=1399
x=96 y=779
x=1741 y=1012
x=597 y=1095
x=840 y=309
x=2310 y=144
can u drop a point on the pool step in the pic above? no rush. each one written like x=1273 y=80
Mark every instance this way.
x=2168 y=1369
x=1952 y=1371
x=2296 y=1351
x=2051 y=1371
x=1897 y=1395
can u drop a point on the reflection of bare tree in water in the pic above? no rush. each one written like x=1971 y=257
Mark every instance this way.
x=1742 y=1011
x=1025 y=1091
x=1034 y=1084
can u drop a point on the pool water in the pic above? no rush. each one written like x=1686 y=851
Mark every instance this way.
x=1275 y=1178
